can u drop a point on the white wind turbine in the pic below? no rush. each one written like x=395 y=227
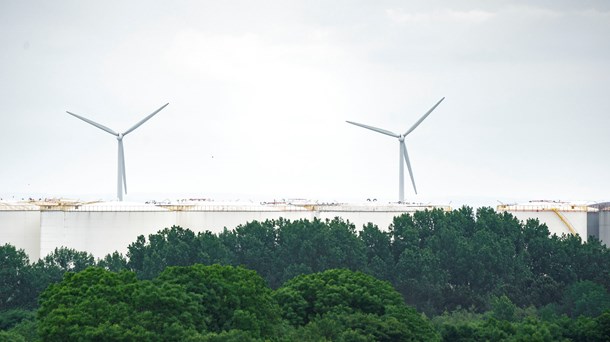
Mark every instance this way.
x=121 y=178
x=403 y=151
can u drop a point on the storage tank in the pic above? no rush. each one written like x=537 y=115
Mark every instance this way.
x=100 y=228
x=604 y=223
x=562 y=218
x=20 y=227
x=380 y=214
x=215 y=216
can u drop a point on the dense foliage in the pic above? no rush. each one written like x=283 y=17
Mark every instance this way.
x=353 y=306
x=182 y=303
x=506 y=277
x=199 y=303
x=439 y=261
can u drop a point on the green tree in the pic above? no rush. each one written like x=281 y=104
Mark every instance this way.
x=377 y=244
x=173 y=246
x=305 y=246
x=254 y=246
x=26 y=329
x=347 y=300
x=12 y=317
x=585 y=298
x=100 y=305
x=114 y=262
x=52 y=267
x=231 y=298
x=503 y=309
x=213 y=250
x=14 y=278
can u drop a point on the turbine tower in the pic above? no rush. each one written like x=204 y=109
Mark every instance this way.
x=403 y=155
x=121 y=178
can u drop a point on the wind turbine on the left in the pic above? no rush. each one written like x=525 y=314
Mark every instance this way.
x=121 y=178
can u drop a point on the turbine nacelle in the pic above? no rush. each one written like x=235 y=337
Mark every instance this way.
x=403 y=154
x=121 y=176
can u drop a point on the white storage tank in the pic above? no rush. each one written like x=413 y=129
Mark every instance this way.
x=562 y=218
x=20 y=227
x=215 y=216
x=381 y=215
x=100 y=228
x=604 y=223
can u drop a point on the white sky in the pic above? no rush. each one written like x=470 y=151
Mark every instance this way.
x=259 y=92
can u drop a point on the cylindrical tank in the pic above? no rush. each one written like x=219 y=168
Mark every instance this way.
x=593 y=224
x=20 y=227
x=604 y=226
x=560 y=217
x=102 y=228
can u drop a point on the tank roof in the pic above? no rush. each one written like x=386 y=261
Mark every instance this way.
x=543 y=205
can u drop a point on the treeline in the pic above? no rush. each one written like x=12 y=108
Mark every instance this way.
x=444 y=264
x=223 y=303
x=439 y=261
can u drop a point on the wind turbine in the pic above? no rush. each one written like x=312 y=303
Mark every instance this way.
x=402 y=150
x=121 y=178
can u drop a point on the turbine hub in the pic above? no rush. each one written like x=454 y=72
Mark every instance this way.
x=401 y=138
x=119 y=136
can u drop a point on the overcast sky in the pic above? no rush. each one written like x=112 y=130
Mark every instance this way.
x=259 y=92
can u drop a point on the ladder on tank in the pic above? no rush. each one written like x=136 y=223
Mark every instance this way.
x=565 y=221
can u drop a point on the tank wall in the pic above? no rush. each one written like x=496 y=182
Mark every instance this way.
x=22 y=230
x=101 y=232
x=593 y=224
x=604 y=227
x=578 y=219
x=382 y=219
x=216 y=221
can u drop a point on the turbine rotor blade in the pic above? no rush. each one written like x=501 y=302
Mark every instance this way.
x=406 y=156
x=102 y=127
x=144 y=120
x=378 y=130
x=423 y=117
x=122 y=161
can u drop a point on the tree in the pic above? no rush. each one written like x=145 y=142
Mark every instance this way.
x=10 y=318
x=173 y=246
x=14 y=278
x=503 y=309
x=230 y=298
x=97 y=304
x=585 y=298
x=254 y=246
x=114 y=262
x=305 y=246
x=377 y=244
x=347 y=300
x=213 y=250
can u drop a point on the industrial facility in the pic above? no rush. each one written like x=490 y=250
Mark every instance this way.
x=100 y=228
x=563 y=218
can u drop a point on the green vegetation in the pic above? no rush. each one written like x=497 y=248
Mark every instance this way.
x=200 y=303
x=477 y=276
x=344 y=305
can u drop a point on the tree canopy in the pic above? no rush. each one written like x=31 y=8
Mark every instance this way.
x=350 y=305
x=514 y=275
x=223 y=303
